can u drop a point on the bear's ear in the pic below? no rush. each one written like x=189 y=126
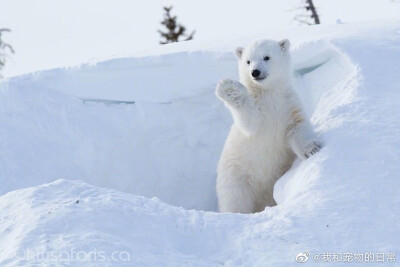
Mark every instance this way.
x=284 y=44
x=239 y=52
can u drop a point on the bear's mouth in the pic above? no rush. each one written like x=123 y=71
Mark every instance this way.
x=260 y=78
x=263 y=76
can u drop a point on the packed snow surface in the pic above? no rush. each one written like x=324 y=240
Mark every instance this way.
x=120 y=157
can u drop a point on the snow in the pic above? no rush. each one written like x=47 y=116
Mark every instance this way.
x=174 y=135
x=113 y=163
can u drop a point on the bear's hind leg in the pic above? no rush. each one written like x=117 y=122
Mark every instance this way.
x=266 y=200
x=236 y=198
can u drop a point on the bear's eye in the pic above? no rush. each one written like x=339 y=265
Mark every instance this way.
x=248 y=62
x=266 y=58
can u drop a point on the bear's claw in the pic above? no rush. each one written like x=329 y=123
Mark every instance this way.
x=312 y=148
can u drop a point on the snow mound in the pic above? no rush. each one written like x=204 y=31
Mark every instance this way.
x=160 y=132
x=71 y=214
x=160 y=142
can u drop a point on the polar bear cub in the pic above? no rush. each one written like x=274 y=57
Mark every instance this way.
x=269 y=128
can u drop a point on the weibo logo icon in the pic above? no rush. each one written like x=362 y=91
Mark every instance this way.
x=302 y=256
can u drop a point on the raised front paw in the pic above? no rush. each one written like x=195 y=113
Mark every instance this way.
x=312 y=148
x=230 y=91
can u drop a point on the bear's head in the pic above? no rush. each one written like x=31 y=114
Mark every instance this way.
x=264 y=63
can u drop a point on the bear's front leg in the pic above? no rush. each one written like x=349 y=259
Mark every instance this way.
x=241 y=104
x=301 y=138
x=231 y=92
x=303 y=141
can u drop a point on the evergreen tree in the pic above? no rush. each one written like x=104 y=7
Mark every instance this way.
x=174 y=30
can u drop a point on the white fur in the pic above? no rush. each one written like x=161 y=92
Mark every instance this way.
x=269 y=129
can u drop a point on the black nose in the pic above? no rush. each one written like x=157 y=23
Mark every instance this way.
x=255 y=73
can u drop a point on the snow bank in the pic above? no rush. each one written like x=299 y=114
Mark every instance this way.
x=164 y=140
